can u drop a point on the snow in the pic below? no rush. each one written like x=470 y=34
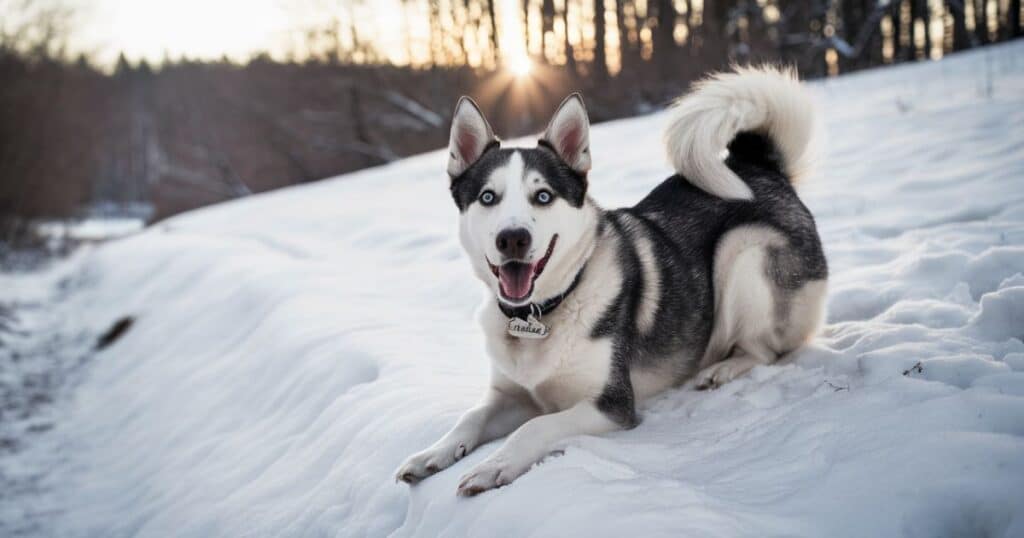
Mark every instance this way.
x=91 y=229
x=292 y=348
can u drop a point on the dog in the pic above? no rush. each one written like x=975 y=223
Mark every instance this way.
x=590 y=311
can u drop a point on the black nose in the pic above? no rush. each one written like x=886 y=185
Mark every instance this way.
x=513 y=243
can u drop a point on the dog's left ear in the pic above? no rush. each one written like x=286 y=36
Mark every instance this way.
x=470 y=137
x=569 y=133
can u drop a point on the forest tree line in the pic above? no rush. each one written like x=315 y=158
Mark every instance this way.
x=156 y=140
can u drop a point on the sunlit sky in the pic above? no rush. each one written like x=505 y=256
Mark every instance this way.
x=209 y=29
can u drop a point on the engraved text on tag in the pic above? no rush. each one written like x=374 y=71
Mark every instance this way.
x=531 y=328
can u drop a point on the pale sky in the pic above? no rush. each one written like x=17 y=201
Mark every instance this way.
x=211 y=28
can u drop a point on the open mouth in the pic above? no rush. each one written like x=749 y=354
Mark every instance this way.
x=515 y=278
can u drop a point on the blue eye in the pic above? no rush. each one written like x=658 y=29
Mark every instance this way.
x=487 y=197
x=543 y=197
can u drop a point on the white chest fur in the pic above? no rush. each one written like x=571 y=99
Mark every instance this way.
x=569 y=364
x=559 y=370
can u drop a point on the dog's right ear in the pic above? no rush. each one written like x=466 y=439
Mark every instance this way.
x=469 y=138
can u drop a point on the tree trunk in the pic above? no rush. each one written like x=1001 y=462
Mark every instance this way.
x=547 y=28
x=853 y=19
x=628 y=51
x=600 y=58
x=1013 y=20
x=526 y=26
x=921 y=12
x=664 y=40
x=716 y=45
x=436 y=36
x=980 y=24
x=894 y=15
x=912 y=32
x=570 y=59
x=961 y=38
x=494 y=29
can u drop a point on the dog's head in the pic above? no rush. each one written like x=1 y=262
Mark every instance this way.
x=525 y=219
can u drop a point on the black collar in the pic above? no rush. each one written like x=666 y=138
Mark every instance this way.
x=545 y=308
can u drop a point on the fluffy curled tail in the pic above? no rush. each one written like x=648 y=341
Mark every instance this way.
x=764 y=101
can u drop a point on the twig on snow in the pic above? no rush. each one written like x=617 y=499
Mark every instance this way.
x=916 y=368
x=836 y=388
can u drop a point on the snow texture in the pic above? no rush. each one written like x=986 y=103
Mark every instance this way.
x=291 y=349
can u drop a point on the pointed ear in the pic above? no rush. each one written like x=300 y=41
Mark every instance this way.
x=569 y=133
x=469 y=138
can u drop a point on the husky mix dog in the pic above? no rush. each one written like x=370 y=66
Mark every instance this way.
x=719 y=269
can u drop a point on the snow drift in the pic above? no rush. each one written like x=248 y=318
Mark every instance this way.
x=291 y=349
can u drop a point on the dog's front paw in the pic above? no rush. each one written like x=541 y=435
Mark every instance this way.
x=430 y=461
x=720 y=373
x=493 y=472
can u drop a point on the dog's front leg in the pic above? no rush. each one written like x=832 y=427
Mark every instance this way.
x=502 y=410
x=531 y=442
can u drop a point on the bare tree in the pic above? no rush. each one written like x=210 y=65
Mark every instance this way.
x=600 y=56
x=187 y=133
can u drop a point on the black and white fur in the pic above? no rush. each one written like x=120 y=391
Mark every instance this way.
x=719 y=269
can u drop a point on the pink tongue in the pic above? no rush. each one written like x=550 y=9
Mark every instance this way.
x=515 y=279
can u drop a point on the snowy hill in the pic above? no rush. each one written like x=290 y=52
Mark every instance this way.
x=291 y=349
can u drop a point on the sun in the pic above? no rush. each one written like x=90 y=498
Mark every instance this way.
x=521 y=66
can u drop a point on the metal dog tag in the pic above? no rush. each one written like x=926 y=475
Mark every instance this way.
x=531 y=328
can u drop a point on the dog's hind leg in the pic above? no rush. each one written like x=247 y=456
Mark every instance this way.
x=793 y=322
x=758 y=317
x=740 y=362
